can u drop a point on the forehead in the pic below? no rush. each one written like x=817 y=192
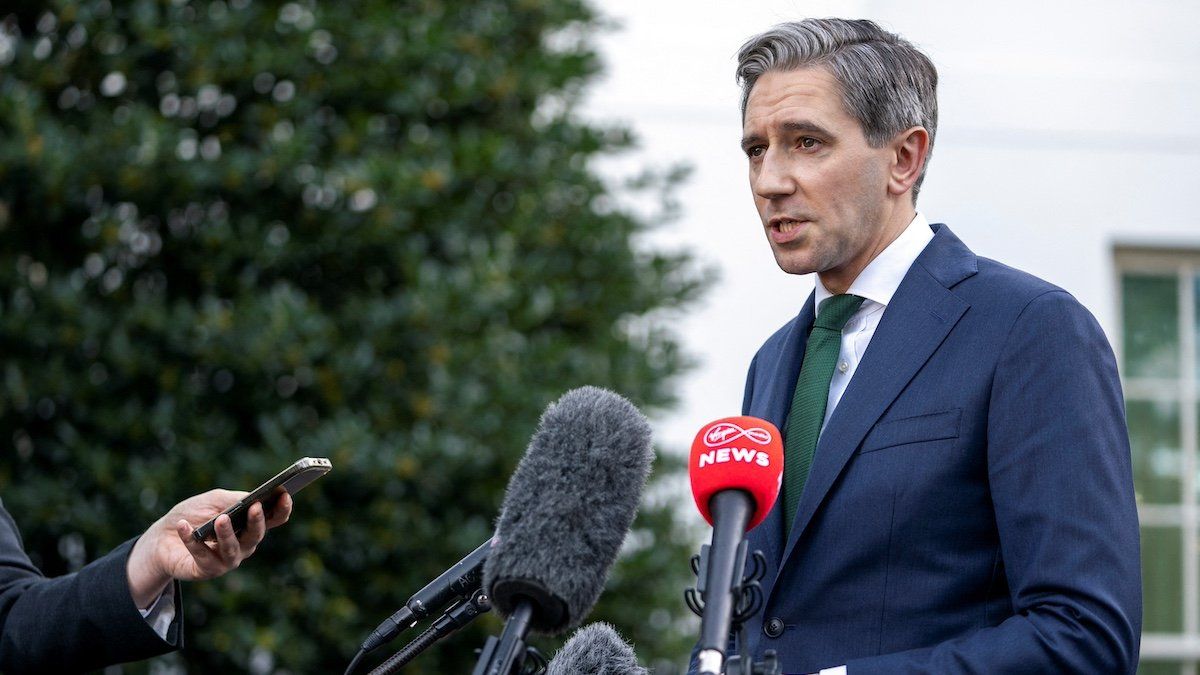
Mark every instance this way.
x=810 y=93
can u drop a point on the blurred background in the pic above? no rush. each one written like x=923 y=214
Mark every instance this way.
x=234 y=233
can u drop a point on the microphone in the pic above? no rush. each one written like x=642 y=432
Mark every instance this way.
x=566 y=510
x=736 y=467
x=460 y=580
x=595 y=649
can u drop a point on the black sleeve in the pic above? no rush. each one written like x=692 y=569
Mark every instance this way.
x=72 y=623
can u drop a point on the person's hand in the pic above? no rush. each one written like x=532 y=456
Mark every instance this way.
x=167 y=550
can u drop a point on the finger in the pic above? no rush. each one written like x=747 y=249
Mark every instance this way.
x=280 y=511
x=256 y=529
x=228 y=546
x=201 y=553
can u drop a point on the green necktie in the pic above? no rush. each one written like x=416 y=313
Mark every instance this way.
x=812 y=394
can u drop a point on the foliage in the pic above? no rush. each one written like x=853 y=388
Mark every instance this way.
x=237 y=233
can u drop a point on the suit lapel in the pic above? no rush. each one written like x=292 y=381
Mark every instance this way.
x=773 y=406
x=920 y=316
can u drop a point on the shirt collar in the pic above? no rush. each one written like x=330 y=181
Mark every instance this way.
x=882 y=276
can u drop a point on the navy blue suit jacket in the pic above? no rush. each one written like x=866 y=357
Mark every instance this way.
x=970 y=507
x=72 y=623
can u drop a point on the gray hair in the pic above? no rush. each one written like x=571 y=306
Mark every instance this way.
x=887 y=84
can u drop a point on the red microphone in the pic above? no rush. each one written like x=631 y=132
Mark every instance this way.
x=737 y=453
x=736 y=469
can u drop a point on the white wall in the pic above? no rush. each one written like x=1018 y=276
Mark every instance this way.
x=1064 y=127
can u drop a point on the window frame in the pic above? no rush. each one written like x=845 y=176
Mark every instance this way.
x=1184 y=265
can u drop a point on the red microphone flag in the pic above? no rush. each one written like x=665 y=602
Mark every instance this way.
x=737 y=453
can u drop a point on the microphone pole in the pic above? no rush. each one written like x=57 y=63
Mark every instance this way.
x=731 y=511
x=505 y=655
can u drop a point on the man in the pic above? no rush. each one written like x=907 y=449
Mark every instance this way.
x=957 y=491
x=121 y=607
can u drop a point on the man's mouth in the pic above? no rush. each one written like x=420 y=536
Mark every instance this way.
x=784 y=229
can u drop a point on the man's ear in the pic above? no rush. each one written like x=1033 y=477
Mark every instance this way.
x=910 y=149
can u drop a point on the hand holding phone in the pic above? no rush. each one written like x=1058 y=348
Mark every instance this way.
x=290 y=480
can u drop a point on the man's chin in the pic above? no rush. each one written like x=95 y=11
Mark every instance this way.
x=793 y=264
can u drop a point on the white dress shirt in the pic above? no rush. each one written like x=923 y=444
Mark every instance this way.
x=161 y=613
x=877 y=283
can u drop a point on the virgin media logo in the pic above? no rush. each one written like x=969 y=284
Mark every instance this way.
x=728 y=432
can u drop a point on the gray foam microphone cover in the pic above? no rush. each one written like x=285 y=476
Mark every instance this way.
x=595 y=649
x=568 y=505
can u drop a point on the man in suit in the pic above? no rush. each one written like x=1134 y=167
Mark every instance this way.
x=958 y=492
x=121 y=607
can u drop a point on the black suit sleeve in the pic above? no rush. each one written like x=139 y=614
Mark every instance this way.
x=72 y=623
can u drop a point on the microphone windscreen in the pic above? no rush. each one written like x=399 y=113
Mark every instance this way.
x=739 y=453
x=568 y=505
x=595 y=649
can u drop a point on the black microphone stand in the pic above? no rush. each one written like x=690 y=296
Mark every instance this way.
x=724 y=612
x=507 y=654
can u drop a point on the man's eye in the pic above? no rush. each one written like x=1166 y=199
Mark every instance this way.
x=808 y=143
x=756 y=151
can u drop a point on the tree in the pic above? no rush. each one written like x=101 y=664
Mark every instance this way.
x=237 y=233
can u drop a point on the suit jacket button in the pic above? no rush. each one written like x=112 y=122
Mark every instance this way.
x=773 y=628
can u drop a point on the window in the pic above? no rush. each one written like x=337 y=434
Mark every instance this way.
x=1159 y=354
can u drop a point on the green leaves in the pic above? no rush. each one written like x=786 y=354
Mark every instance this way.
x=237 y=233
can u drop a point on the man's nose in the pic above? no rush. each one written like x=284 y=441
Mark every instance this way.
x=773 y=179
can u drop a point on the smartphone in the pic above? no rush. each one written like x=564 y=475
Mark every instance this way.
x=290 y=480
